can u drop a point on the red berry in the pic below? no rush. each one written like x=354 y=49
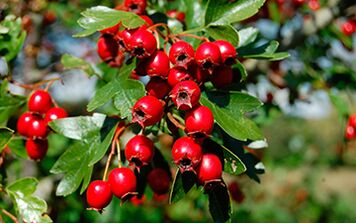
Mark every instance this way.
x=142 y=44
x=147 y=19
x=174 y=14
x=314 y=5
x=122 y=182
x=157 y=65
x=222 y=76
x=107 y=48
x=123 y=37
x=185 y=95
x=54 y=114
x=99 y=194
x=228 y=52
x=139 y=150
x=157 y=87
x=181 y=54
x=147 y=111
x=111 y=30
x=199 y=121
x=186 y=153
x=208 y=56
x=350 y=132
x=138 y=201
x=236 y=192
x=40 y=101
x=352 y=120
x=177 y=75
x=348 y=27
x=37 y=127
x=199 y=75
x=210 y=168
x=36 y=148
x=159 y=181
x=136 y=6
x=24 y=122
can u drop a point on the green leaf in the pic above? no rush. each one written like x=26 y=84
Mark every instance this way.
x=247 y=36
x=182 y=184
x=30 y=208
x=219 y=203
x=17 y=147
x=100 y=17
x=265 y=51
x=228 y=113
x=222 y=12
x=242 y=70
x=223 y=32
x=340 y=104
x=72 y=62
x=194 y=15
x=5 y=136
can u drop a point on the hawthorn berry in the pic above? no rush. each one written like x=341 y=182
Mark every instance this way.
x=176 y=75
x=147 y=111
x=136 y=6
x=139 y=150
x=352 y=120
x=199 y=121
x=181 y=54
x=36 y=148
x=236 y=192
x=40 y=101
x=159 y=180
x=107 y=48
x=99 y=194
x=227 y=51
x=186 y=153
x=199 y=75
x=222 y=76
x=210 y=169
x=185 y=95
x=208 y=56
x=174 y=14
x=142 y=44
x=137 y=201
x=37 y=128
x=24 y=122
x=157 y=64
x=123 y=37
x=350 y=132
x=148 y=20
x=111 y=30
x=348 y=27
x=157 y=87
x=122 y=182
x=54 y=114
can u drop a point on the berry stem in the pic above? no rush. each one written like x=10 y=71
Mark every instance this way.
x=118 y=153
x=202 y=38
x=174 y=121
x=157 y=38
x=160 y=25
x=8 y=214
x=33 y=86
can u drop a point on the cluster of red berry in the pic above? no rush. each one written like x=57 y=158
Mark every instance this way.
x=33 y=124
x=350 y=131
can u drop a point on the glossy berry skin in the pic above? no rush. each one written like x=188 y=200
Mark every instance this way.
x=350 y=132
x=199 y=75
x=210 y=169
x=158 y=87
x=227 y=51
x=122 y=182
x=352 y=120
x=159 y=181
x=186 y=153
x=139 y=150
x=199 y=121
x=107 y=48
x=185 y=95
x=54 y=114
x=177 y=75
x=208 y=56
x=147 y=111
x=142 y=44
x=99 y=194
x=123 y=37
x=36 y=148
x=222 y=76
x=40 y=101
x=147 y=19
x=136 y=6
x=157 y=65
x=181 y=54
x=111 y=30
x=24 y=122
x=37 y=127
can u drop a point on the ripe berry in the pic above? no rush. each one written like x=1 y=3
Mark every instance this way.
x=40 y=101
x=157 y=87
x=24 y=122
x=236 y=192
x=36 y=148
x=111 y=30
x=185 y=95
x=107 y=48
x=210 y=168
x=37 y=128
x=222 y=76
x=181 y=54
x=148 y=20
x=136 y=6
x=174 y=14
x=122 y=182
x=228 y=52
x=137 y=201
x=139 y=150
x=157 y=64
x=352 y=120
x=348 y=27
x=199 y=75
x=208 y=56
x=142 y=44
x=314 y=4
x=177 y=75
x=186 y=153
x=159 y=181
x=147 y=111
x=350 y=132
x=99 y=194
x=54 y=114
x=123 y=37
x=199 y=121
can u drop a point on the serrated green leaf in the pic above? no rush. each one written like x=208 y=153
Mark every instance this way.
x=222 y=12
x=247 y=36
x=5 y=136
x=30 y=208
x=223 y=32
x=100 y=17
x=182 y=184
x=72 y=62
x=265 y=51
x=220 y=203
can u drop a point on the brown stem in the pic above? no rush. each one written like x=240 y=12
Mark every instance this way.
x=33 y=86
x=8 y=214
x=174 y=121
x=153 y=27
x=157 y=38
x=118 y=153
x=202 y=38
